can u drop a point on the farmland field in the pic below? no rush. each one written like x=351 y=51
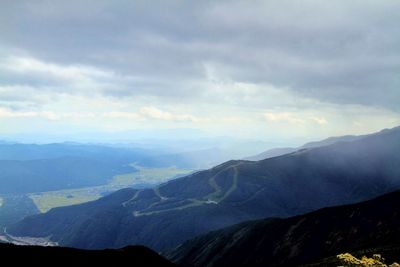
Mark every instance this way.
x=144 y=177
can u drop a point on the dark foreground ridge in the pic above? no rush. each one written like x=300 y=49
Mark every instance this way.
x=317 y=237
x=60 y=256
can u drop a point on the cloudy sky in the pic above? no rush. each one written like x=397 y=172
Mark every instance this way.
x=253 y=69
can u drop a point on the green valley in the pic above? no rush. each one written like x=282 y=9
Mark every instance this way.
x=144 y=177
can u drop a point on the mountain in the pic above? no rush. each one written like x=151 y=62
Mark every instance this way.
x=333 y=140
x=22 y=152
x=40 y=175
x=14 y=208
x=200 y=159
x=53 y=256
x=233 y=192
x=372 y=226
x=50 y=167
x=275 y=152
x=146 y=155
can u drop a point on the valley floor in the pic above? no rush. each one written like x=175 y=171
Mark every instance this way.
x=32 y=241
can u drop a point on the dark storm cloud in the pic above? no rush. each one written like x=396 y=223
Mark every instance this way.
x=344 y=52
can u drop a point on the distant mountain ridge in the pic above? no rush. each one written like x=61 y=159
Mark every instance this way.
x=28 y=168
x=18 y=177
x=232 y=192
x=121 y=153
x=372 y=226
x=26 y=152
x=275 y=152
x=200 y=159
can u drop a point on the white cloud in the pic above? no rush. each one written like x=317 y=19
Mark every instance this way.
x=283 y=117
x=17 y=114
x=52 y=78
x=73 y=72
x=319 y=120
x=300 y=117
x=122 y=115
x=48 y=115
x=155 y=113
x=144 y=113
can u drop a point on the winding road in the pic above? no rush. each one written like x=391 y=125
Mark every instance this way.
x=213 y=198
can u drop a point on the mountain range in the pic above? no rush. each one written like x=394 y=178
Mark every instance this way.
x=146 y=155
x=28 y=168
x=230 y=193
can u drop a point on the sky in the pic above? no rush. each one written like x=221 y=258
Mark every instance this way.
x=264 y=70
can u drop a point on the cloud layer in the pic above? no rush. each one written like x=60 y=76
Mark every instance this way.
x=308 y=67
